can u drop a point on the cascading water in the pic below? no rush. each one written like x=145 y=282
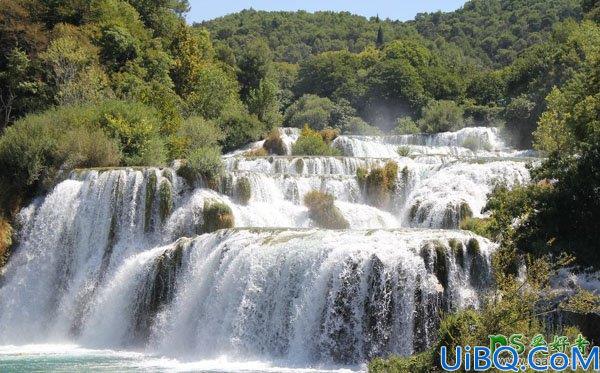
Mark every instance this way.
x=112 y=259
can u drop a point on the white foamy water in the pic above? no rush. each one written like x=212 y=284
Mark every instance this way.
x=115 y=260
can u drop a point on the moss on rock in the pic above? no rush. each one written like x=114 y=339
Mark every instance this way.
x=165 y=195
x=151 y=186
x=440 y=265
x=473 y=247
x=243 y=190
x=299 y=164
x=323 y=211
x=216 y=215
x=6 y=233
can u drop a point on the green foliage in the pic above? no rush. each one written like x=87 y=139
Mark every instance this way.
x=203 y=162
x=194 y=133
x=406 y=126
x=323 y=211
x=213 y=91
x=311 y=142
x=137 y=127
x=403 y=151
x=310 y=109
x=418 y=363
x=240 y=128
x=118 y=47
x=216 y=215
x=357 y=126
x=441 y=116
x=254 y=65
x=479 y=226
x=291 y=35
x=262 y=101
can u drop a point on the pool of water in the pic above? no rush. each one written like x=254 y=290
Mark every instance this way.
x=72 y=358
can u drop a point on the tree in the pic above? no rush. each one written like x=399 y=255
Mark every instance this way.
x=441 y=116
x=17 y=90
x=254 y=65
x=379 y=41
x=262 y=101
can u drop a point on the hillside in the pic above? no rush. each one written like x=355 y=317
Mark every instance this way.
x=493 y=32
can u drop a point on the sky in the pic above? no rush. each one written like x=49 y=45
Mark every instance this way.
x=399 y=9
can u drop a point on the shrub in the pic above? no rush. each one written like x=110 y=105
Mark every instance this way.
x=274 y=144
x=194 y=133
x=406 y=126
x=85 y=148
x=403 y=151
x=441 y=116
x=204 y=162
x=240 y=128
x=418 y=363
x=357 y=126
x=311 y=142
x=323 y=211
x=310 y=110
x=243 y=190
x=216 y=215
x=36 y=147
x=329 y=134
x=379 y=183
x=137 y=128
x=477 y=226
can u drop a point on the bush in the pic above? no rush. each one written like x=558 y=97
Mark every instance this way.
x=419 y=363
x=403 y=151
x=310 y=110
x=137 y=128
x=357 y=126
x=406 y=126
x=35 y=148
x=329 y=134
x=274 y=144
x=240 y=128
x=85 y=148
x=194 y=133
x=216 y=215
x=441 y=116
x=323 y=212
x=311 y=142
x=379 y=183
x=204 y=162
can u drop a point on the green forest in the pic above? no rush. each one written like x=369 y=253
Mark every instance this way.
x=107 y=83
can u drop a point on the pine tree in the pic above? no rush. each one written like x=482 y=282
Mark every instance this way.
x=379 y=41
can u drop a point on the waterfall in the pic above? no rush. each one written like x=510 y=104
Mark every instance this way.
x=114 y=259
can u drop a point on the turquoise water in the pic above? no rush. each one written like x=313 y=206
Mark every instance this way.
x=71 y=358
